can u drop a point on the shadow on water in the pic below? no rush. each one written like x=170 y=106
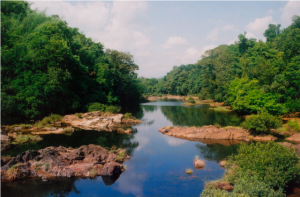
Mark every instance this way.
x=79 y=138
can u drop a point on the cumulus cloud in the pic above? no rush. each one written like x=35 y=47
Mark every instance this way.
x=259 y=25
x=290 y=9
x=213 y=35
x=270 y=12
x=175 y=41
x=174 y=141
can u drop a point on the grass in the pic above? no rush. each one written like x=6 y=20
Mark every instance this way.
x=121 y=154
x=68 y=130
x=128 y=116
x=220 y=109
x=218 y=125
x=93 y=173
x=20 y=139
x=47 y=166
x=23 y=126
x=189 y=171
x=79 y=115
x=12 y=168
x=49 y=120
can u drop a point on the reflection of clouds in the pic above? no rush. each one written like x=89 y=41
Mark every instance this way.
x=133 y=183
x=174 y=141
x=143 y=141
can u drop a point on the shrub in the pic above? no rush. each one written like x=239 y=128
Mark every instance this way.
x=218 y=125
x=189 y=171
x=49 y=120
x=128 y=116
x=191 y=100
x=262 y=122
x=96 y=107
x=112 y=109
x=271 y=163
x=79 y=115
x=294 y=125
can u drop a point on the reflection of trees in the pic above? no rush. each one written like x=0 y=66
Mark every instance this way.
x=216 y=152
x=79 y=138
x=35 y=187
x=149 y=108
x=199 y=116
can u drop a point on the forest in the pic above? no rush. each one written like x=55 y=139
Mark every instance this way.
x=51 y=68
x=248 y=75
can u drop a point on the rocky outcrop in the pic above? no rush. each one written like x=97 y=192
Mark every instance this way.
x=211 y=133
x=5 y=142
x=100 y=121
x=294 y=138
x=86 y=161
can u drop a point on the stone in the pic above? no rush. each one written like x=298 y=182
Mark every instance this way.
x=223 y=186
x=198 y=163
x=112 y=168
x=294 y=138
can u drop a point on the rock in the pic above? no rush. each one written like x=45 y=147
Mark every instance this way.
x=266 y=138
x=100 y=121
x=5 y=160
x=294 y=138
x=112 y=168
x=212 y=134
x=86 y=161
x=290 y=145
x=4 y=138
x=199 y=163
x=223 y=186
x=18 y=128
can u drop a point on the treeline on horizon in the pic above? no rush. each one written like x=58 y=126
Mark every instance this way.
x=49 y=67
x=248 y=75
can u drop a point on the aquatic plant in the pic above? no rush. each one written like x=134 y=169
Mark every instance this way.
x=189 y=171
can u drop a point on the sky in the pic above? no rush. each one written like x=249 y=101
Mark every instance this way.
x=163 y=34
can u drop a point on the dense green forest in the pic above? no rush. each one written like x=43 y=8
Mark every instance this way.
x=49 y=67
x=248 y=75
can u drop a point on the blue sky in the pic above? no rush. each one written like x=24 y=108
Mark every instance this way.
x=162 y=34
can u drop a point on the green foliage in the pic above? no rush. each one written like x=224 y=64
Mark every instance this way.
x=262 y=122
x=112 y=109
x=47 y=166
x=12 y=168
x=294 y=125
x=191 y=100
x=79 y=115
x=270 y=163
x=128 y=116
x=48 y=67
x=20 y=139
x=248 y=75
x=49 y=120
x=97 y=107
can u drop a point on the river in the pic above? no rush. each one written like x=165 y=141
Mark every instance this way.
x=157 y=164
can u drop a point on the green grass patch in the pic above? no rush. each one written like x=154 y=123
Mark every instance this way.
x=189 y=171
x=20 y=139
x=79 y=115
x=49 y=120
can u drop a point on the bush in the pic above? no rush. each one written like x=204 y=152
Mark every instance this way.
x=128 y=116
x=191 y=100
x=294 y=125
x=112 y=109
x=96 y=107
x=262 y=122
x=79 y=115
x=271 y=163
x=49 y=120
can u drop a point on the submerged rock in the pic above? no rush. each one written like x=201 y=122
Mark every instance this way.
x=85 y=161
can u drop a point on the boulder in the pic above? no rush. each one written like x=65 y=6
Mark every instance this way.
x=198 y=163
x=294 y=138
x=112 y=168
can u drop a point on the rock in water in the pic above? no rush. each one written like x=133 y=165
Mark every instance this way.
x=198 y=163
x=85 y=161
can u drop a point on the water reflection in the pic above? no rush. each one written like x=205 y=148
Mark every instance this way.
x=157 y=161
x=79 y=138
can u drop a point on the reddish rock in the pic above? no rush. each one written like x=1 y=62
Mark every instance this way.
x=265 y=138
x=52 y=161
x=294 y=138
x=223 y=186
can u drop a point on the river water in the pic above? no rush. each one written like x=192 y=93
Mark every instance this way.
x=157 y=164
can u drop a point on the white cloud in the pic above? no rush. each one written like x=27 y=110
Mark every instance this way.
x=80 y=15
x=250 y=35
x=259 y=25
x=232 y=41
x=213 y=35
x=290 y=9
x=174 y=141
x=175 y=41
